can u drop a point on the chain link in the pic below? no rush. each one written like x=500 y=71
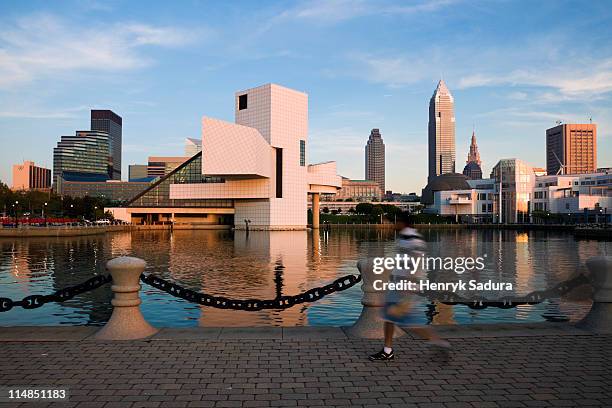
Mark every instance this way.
x=533 y=298
x=36 y=301
x=220 y=302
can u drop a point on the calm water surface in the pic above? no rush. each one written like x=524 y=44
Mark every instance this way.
x=266 y=264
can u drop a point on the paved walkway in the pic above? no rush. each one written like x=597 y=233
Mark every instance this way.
x=506 y=366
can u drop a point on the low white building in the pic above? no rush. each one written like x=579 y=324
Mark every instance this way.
x=514 y=194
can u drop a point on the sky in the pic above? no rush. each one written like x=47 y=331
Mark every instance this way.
x=515 y=68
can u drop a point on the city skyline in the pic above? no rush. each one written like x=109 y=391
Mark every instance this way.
x=162 y=74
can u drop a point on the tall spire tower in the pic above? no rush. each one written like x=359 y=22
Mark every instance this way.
x=474 y=154
x=441 y=132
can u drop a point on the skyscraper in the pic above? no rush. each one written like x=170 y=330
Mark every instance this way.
x=472 y=167
x=474 y=154
x=441 y=132
x=82 y=157
x=375 y=159
x=571 y=149
x=111 y=123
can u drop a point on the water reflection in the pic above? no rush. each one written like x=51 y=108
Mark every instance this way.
x=271 y=264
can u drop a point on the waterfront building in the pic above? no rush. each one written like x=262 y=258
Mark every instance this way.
x=358 y=190
x=375 y=159
x=160 y=166
x=138 y=172
x=192 y=147
x=82 y=157
x=515 y=194
x=28 y=176
x=116 y=191
x=514 y=183
x=109 y=122
x=253 y=172
x=441 y=132
x=571 y=149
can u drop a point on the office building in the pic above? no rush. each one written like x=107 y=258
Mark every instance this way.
x=441 y=132
x=514 y=183
x=82 y=157
x=192 y=147
x=111 y=123
x=28 y=176
x=138 y=172
x=571 y=149
x=253 y=172
x=358 y=190
x=375 y=159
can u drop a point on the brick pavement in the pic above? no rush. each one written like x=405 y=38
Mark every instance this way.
x=321 y=370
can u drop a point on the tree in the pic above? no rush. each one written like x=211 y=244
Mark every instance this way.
x=325 y=210
x=364 y=208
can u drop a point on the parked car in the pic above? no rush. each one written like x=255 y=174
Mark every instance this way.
x=103 y=222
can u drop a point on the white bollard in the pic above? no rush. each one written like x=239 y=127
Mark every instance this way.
x=126 y=322
x=370 y=323
x=599 y=318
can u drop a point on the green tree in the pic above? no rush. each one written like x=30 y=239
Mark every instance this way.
x=364 y=208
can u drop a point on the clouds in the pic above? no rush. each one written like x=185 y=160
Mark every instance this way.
x=584 y=78
x=332 y=11
x=42 y=45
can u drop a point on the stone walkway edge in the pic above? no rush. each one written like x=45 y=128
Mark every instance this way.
x=85 y=333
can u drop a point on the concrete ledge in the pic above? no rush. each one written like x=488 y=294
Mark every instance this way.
x=46 y=333
x=80 y=333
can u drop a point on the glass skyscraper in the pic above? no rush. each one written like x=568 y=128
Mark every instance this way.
x=82 y=157
x=111 y=123
x=441 y=132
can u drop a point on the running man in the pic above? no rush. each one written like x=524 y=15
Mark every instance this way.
x=398 y=305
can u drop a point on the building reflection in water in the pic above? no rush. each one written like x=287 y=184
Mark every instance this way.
x=266 y=264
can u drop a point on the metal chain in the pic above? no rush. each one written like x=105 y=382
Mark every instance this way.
x=220 y=302
x=35 y=301
x=533 y=298
x=285 y=302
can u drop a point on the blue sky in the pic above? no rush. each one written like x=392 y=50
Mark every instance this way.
x=514 y=68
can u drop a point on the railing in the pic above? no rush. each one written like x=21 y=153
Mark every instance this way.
x=127 y=322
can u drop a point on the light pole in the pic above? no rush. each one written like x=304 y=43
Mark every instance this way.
x=96 y=213
x=15 y=207
x=44 y=214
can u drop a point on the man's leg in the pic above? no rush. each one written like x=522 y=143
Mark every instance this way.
x=389 y=330
x=387 y=352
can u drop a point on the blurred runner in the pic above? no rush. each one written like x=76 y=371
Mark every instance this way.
x=399 y=304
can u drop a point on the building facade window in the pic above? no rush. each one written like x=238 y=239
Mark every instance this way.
x=302 y=153
x=279 y=173
x=242 y=102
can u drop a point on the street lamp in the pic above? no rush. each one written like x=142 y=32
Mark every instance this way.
x=15 y=206
x=96 y=213
x=43 y=214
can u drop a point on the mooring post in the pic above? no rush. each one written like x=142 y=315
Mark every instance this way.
x=599 y=318
x=126 y=322
x=370 y=323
